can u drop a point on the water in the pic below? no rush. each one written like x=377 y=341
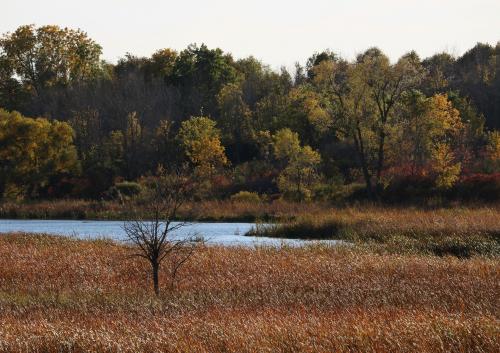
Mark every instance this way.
x=230 y=234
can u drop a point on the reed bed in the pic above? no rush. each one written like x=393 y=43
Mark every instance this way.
x=462 y=232
x=66 y=295
x=216 y=210
x=270 y=211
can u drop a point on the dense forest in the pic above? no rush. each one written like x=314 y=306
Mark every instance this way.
x=73 y=125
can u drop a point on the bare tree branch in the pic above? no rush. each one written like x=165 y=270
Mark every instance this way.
x=155 y=239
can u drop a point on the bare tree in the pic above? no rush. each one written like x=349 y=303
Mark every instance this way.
x=152 y=230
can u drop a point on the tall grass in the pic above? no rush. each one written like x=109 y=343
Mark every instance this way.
x=225 y=210
x=63 y=295
x=458 y=232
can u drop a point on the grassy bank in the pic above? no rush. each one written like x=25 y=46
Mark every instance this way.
x=456 y=231
x=461 y=232
x=227 y=210
x=65 y=295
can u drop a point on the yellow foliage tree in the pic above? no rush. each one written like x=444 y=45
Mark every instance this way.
x=428 y=124
x=300 y=171
x=201 y=141
x=50 y=55
x=493 y=152
x=33 y=150
x=443 y=118
x=445 y=167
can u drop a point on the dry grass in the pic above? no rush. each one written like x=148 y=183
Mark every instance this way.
x=62 y=295
x=277 y=210
x=462 y=232
x=225 y=210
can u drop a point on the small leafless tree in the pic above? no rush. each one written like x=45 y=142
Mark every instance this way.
x=152 y=229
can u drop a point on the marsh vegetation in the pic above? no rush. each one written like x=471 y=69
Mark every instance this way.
x=58 y=294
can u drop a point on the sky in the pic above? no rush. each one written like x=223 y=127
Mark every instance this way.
x=278 y=32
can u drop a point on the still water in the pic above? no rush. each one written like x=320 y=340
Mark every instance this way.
x=212 y=233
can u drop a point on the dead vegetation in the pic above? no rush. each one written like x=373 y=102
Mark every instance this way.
x=58 y=294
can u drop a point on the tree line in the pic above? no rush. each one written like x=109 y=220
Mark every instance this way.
x=74 y=125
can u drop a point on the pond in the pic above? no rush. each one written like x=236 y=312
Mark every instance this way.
x=231 y=234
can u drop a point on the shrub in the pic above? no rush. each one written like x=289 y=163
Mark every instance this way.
x=410 y=187
x=125 y=189
x=337 y=192
x=13 y=192
x=484 y=187
x=128 y=188
x=246 y=196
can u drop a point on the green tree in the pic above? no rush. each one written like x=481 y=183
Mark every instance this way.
x=439 y=72
x=103 y=163
x=200 y=73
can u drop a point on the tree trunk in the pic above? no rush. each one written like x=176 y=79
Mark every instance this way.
x=156 y=281
x=380 y=161
x=368 y=180
x=358 y=142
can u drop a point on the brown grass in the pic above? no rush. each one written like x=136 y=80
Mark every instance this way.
x=62 y=295
x=462 y=232
x=219 y=210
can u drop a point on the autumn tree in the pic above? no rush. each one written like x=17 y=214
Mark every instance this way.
x=50 y=55
x=201 y=142
x=351 y=112
x=161 y=64
x=386 y=84
x=299 y=165
x=427 y=124
x=304 y=111
x=370 y=118
x=318 y=58
x=32 y=151
x=11 y=92
x=492 y=152
x=445 y=166
x=362 y=99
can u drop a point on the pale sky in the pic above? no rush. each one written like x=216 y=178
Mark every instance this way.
x=277 y=32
